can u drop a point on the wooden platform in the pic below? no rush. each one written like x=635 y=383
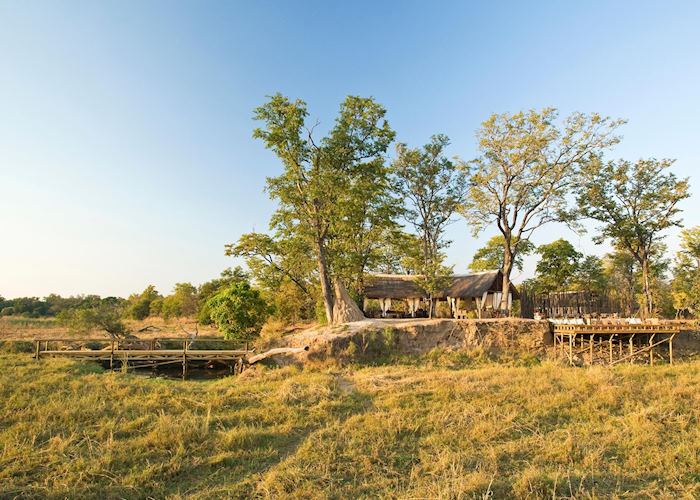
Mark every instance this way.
x=614 y=343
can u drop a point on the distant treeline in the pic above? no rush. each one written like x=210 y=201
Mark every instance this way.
x=186 y=300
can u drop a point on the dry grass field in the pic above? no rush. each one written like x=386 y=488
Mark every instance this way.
x=441 y=428
x=19 y=328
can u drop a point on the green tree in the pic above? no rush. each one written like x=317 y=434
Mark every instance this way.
x=182 y=302
x=525 y=171
x=621 y=272
x=590 y=275
x=686 y=273
x=400 y=254
x=432 y=189
x=368 y=222
x=315 y=189
x=490 y=256
x=635 y=203
x=284 y=269
x=238 y=310
x=139 y=305
x=272 y=260
x=105 y=315
x=558 y=266
x=208 y=289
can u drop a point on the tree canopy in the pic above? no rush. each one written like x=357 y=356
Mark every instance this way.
x=634 y=203
x=238 y=310
x=490 y=256
x=526 y=169
x=320 y=178
x=432 y=189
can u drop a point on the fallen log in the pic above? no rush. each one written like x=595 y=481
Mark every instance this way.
x=275 y=352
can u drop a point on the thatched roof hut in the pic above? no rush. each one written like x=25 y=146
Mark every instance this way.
x=464 y=286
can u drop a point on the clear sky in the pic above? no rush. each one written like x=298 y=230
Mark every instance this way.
x=126 y=155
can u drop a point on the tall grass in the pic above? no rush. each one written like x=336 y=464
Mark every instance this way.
x=70 y=430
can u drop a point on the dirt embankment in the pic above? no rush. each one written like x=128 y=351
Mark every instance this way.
x=419 y=336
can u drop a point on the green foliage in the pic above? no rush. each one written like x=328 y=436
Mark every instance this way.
x=139 y=305
x=634 y=203
x=621 y=271
x=182 y=302
x=526 y=169
x=590 y=275
x=326 y=182
x=105 y=315
x=490 y=256
x=557 y=267
x=238 y=310
x=686 y=274
x=432 y=189
x=284 y=269
x=208 y=289
x=49 y=306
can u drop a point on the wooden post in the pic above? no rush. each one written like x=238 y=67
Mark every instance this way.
x=111 y=357
x=651 y=350
x=610 y=347
x=184 y=360
x=37 y=349
x=571 y=349
x=590 y=347
x=670 y=348
x=631 y=348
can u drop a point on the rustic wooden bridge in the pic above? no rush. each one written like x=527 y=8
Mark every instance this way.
x=157 y=352
x=153 y=353
x=615 y=343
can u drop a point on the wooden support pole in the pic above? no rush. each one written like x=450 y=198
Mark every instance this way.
x=631 y=348
x=619 y=345
x=651 y=350
x=670 y=348
x=571 y=349
x=37 y=349
x=590 y=347
x=111 y=357
x=610 y=347
x=184 y=360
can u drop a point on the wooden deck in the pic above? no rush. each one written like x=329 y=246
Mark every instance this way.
x=615 y=343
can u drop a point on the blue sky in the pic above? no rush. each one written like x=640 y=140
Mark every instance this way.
x=126 y=155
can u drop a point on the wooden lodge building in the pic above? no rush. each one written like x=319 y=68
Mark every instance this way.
x=476 y=295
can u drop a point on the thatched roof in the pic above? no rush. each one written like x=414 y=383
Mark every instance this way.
x=404 y=286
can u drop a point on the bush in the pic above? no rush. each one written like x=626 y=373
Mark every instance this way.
x=239 y=311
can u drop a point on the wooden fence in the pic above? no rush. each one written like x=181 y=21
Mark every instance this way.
x=572 y=304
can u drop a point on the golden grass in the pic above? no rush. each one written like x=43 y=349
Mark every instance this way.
x=70 y=430
x=18 y=328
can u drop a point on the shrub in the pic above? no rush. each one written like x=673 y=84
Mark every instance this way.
x=238 y=311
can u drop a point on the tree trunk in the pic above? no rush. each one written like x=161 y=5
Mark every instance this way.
x=324 y=278
x=648 y=308
x=507 y=268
